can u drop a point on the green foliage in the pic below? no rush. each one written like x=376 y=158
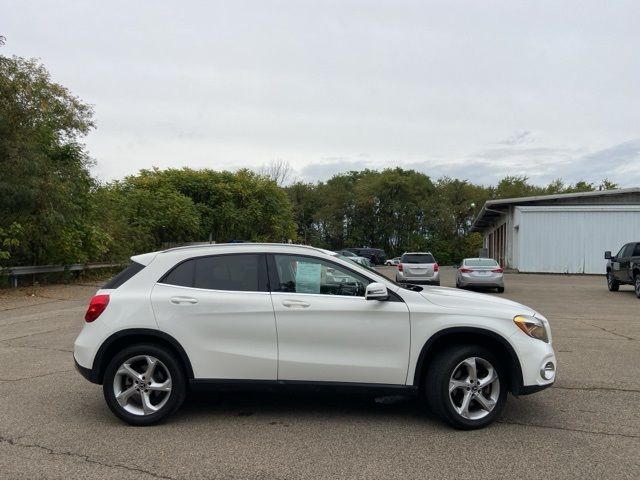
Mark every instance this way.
x=10 y=240
x=53 y=211
x=158 y=207
x=45 y=184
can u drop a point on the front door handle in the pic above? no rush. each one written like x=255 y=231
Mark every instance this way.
x=295 y=304
x=179 y=300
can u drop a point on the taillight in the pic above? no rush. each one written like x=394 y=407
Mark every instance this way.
x=466 y=270
x=400 y=267
x=436 y=267
x=96 y=306
x=497 y=270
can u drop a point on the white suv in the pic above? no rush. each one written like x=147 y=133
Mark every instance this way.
x=286 y=316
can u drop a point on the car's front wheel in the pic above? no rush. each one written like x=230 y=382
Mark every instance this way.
x=636 y=285
x=143 y=384
x=466 y=386
x=612 y=284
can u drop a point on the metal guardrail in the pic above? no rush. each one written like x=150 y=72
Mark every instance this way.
x=14 y=272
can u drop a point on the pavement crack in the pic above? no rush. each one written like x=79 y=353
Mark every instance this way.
x=32 y=305
x=65 y=350
x=34 y=334
x=50 y=451
x=612 y=332
x=567 y=429
x=33 y=377
x=605 y=389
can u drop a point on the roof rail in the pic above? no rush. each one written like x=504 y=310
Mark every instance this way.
x=240 y=245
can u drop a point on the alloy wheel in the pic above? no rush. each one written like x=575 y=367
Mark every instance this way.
x=142 y=385
x=474 y=388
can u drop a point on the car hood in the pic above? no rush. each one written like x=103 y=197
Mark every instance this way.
x=455 y=298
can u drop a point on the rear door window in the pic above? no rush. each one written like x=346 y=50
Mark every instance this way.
x=237 y=273
x=181 y=275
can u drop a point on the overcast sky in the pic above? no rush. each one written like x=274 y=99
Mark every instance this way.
x=474 y=90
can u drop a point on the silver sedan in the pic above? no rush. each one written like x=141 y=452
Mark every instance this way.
x=480 y=272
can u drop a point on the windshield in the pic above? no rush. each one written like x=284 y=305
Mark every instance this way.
x=480 y=262
x=418 y=258
x=347 y=253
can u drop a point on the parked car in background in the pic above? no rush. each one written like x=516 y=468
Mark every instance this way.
x=480 y=272
x=393 y=262
x=418 y=267
x=376 y=255
x=355 y=258
x=273 y=316
x=624 y=268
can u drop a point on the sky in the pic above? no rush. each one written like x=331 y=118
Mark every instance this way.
x=470 y=90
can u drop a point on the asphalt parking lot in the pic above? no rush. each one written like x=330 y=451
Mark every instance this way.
x=55 y=424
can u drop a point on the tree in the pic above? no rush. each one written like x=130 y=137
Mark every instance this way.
x=45 y=185
x=279 y=171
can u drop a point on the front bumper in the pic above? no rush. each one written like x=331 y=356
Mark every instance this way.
x=534 y=355
x=529 y=389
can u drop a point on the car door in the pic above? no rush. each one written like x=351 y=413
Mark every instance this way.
x=219 y=309
x=328 y=332
x=617 y=261
x=624 y=262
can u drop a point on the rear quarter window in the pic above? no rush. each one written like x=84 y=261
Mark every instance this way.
x=125 y=275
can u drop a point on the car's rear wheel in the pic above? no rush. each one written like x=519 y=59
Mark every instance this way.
x=636 y=285
x=500 y=289
x=612 y=283
x=466 y=386
x=143 y=384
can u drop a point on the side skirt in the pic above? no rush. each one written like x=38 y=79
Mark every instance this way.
x=231 y=385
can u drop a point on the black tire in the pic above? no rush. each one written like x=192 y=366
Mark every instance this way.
x=612 y=283
x=436 y=386
x=500 y=289
x=636 y=285
x=174 y=397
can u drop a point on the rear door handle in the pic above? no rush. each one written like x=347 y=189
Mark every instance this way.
x=180 y=300
x=295 y=304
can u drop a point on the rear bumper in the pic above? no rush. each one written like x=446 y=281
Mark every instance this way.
x=432 y=280
x=87 y=373
x=480 y=282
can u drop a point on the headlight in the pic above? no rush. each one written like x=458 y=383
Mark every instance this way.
x=532 y=326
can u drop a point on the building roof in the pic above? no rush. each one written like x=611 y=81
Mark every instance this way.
x=494 y=208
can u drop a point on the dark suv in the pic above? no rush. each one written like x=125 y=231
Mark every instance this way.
x=624 y=268
x=376 y=255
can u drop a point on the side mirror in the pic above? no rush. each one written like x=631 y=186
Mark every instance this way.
x=607 y=255
x=376 y=291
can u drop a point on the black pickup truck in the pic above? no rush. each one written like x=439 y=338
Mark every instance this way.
x=624 y=268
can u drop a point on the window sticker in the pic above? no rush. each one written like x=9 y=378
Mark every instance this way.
x=308 y=277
